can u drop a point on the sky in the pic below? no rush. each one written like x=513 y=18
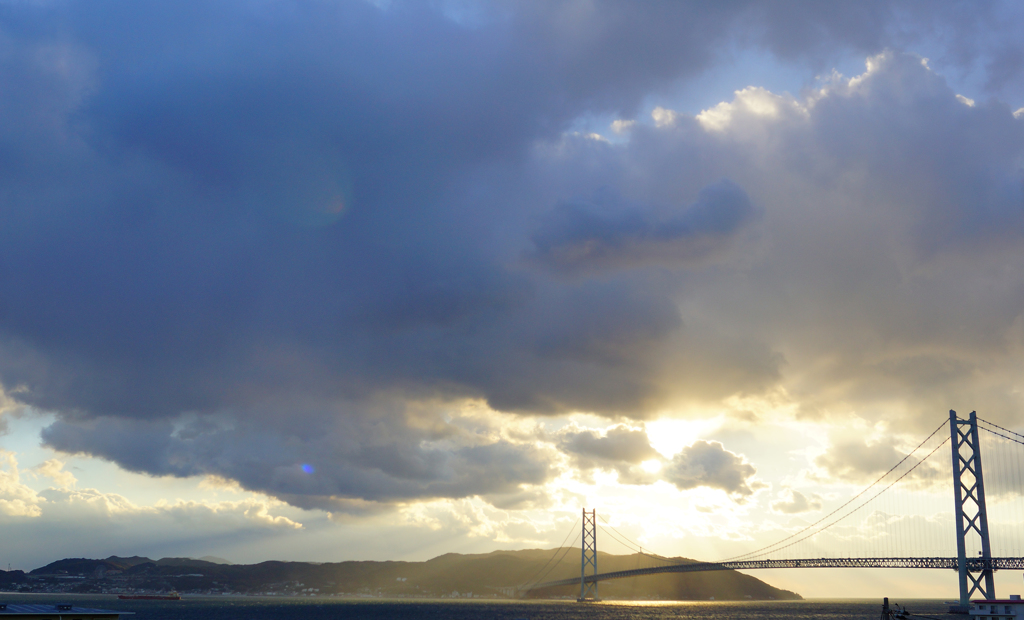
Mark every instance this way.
x=345 y=280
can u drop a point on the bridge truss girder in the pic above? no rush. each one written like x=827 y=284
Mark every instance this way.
x=974 y=565
x=971 y=516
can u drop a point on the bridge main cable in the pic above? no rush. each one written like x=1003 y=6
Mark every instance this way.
x=632 y=545
x=777 y=545
x=532 y=581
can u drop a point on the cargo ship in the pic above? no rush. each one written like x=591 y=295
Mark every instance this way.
x=173 y=596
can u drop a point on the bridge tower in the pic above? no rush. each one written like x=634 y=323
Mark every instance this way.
x=588 y=557
x=970 y=513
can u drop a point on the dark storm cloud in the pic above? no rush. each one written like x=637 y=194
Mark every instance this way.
x=313 y=458
x=214 y=206
x=620 y=449
x=229 y=228
x=619 y=443
x=223 y=202
x=579 y=238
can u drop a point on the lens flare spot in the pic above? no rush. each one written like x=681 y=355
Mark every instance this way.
x=336 y=206
x=306 y=467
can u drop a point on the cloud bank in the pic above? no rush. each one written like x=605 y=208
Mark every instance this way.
x=282 y=243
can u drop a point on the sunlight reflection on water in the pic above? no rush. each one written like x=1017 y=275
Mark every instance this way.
x=254 y=608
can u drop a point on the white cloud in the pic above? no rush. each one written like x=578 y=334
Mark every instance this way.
x=16 y=499
x=54 y=470
x=9 y=405
x=710 y=465
x=85 y=504
x=792 y=501
x=218 y=483
x=664 y=117
x=622 y=126
x=753 y=101
x=84 y=509
x=246 y=512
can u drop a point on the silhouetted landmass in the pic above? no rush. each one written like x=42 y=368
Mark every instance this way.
x=495 y=574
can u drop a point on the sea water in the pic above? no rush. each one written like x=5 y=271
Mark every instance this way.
x=273 y=608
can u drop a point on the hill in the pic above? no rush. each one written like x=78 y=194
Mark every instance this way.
x=481 y=575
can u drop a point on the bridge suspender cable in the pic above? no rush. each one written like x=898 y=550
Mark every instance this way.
x=636 y=549
x=560 y=558
x=534 y=579
x=1001 y=428
x=1000 y=434
x=776 y=545
x=818 y=531
x=1015 y=467
x=632 y=545
x=966 y=456
x=772 y=547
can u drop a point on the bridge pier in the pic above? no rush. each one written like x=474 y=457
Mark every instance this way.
x=588 y=557
x=969 y=493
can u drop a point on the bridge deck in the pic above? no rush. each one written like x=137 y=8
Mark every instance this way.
x=973 y=565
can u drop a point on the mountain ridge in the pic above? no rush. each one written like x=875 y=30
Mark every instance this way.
x=494 y=574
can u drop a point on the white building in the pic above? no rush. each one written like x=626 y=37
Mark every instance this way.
x=998 y=609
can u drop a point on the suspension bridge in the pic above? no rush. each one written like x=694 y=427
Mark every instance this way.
x=870 y=515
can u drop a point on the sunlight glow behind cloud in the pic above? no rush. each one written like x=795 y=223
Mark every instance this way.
x=452 y=272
